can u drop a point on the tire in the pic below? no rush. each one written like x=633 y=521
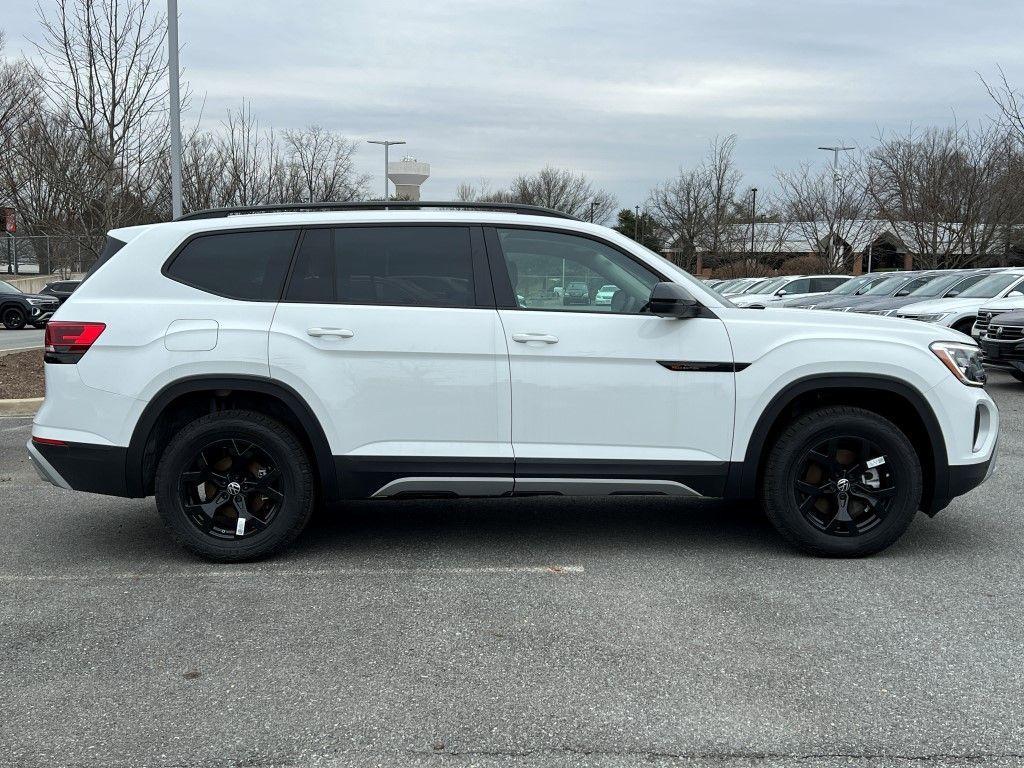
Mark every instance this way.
x=227 y=452
x=14 y=318
x=1018 y=375
x=821 y=449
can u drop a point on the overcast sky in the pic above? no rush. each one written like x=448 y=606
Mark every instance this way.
x=624 y=91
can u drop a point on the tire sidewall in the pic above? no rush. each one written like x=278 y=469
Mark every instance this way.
x=782 y=502
x=285 y=453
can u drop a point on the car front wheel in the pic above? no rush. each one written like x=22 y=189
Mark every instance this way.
x=842 y=482
x=14 y=319
x=234 y=485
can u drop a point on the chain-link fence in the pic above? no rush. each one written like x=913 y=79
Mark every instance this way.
x=47 y=254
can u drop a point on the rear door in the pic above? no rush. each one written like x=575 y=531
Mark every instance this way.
x=607 y=398
x=391 y=335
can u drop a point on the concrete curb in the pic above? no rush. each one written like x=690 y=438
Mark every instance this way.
x=21 y=407
x=19 y=349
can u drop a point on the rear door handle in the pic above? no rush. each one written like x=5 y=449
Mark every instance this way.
x=341 y=333
x=525 y=338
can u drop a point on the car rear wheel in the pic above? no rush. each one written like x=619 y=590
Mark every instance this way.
x=234 y=486
x=14 y=319
x=842 y=482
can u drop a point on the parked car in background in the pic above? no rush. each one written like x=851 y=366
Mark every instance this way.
x=855 y=286
x=991 y=309
x=890 y=286
x=60 y=289
x=742 y=285
x=960 y=313
x=1003 y=343
x=18 y=309
x=938 y=285
x=604 y=294
x=576 y=293
x=780 y=288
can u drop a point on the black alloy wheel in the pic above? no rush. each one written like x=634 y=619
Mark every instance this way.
x=234 y=485
x=844 y=485
x=231 y=489
x=842 y=481
x=14 y=319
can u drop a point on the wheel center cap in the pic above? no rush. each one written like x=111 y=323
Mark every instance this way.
x=842 y=485
x=234 y=488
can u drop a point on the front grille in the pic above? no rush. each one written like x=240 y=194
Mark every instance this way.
x=984 y=318
x=997 y=332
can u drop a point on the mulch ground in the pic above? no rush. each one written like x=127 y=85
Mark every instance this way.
x=21 y=374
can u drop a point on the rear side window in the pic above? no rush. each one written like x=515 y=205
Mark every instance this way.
x=398 y=266
x=825 y=284
x=250 y=266
x=803 y=285
x=112 y=246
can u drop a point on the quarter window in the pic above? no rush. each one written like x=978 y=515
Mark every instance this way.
x=250 y=266
x=556 y=271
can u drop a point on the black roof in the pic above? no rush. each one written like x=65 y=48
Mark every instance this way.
x=397 y=205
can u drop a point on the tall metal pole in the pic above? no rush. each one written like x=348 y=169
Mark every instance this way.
x=636 y=223
x=387 y=144
x=753 y=217
x=593 y=204
x=175 y=116
x=835 y=197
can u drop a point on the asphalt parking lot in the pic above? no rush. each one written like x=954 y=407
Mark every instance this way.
x=536 y=632
x=23 y=339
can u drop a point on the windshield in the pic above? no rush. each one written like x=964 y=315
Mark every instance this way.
x=767 y=286
x=753 y=287
x=937 y=285
x=991 y=286
x=7 y=288
x=852 y=286
x=887 y=286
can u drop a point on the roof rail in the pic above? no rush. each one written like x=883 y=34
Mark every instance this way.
x=400 y=205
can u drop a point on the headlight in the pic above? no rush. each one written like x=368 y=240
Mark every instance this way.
x=936 y=318
x=36 y=302
x=963 y=361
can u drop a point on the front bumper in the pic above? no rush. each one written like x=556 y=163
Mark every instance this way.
x=1008 y=355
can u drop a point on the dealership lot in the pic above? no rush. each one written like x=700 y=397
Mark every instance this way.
x=530 y=632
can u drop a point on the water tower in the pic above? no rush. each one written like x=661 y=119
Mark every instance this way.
x=407 y=175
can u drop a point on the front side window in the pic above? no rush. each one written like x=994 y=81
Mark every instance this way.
x=250 y=266
x=796 y=287
x=7 y=288
x=397 y=266
x=557 y=271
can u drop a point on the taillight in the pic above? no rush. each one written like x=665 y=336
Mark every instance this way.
x=66 y=342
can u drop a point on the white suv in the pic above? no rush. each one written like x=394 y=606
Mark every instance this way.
x=244 y=368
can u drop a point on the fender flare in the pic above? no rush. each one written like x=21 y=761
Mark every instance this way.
x=304 y=415
x=742 y=480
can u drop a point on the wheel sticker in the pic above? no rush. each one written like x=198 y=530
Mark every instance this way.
x=871 y=464
x=240 y=527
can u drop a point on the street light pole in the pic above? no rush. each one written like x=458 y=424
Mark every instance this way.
x=835 y=197
x=386 y=143
x=636 y=223
x=753 y=217
x=175 y=106
x=593 y=205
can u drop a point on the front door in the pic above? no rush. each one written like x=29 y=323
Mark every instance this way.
x=391 y=336
x=607 y=398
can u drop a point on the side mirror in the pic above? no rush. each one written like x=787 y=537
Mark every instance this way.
x=673 y=301
x=781 y=292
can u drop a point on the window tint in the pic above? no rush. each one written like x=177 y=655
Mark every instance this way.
x=312 y=278
x=796 y=287
x=825 y=284
x=240 y=265
x=110 y=247
x=555 y=271
x=418 y=266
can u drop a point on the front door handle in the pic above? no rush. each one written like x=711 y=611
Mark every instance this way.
x=341 y=333
x=526 y=338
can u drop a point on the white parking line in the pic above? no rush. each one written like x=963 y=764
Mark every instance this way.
x=557 y=570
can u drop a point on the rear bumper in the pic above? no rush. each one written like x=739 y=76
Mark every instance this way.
x=81 y=466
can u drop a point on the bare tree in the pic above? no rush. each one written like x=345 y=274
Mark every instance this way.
x=18 y=95
x=1010 y=103
x=698 y=208
x=831 y=212
x=943 y=191
x=322 y=163
x=101 y=69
